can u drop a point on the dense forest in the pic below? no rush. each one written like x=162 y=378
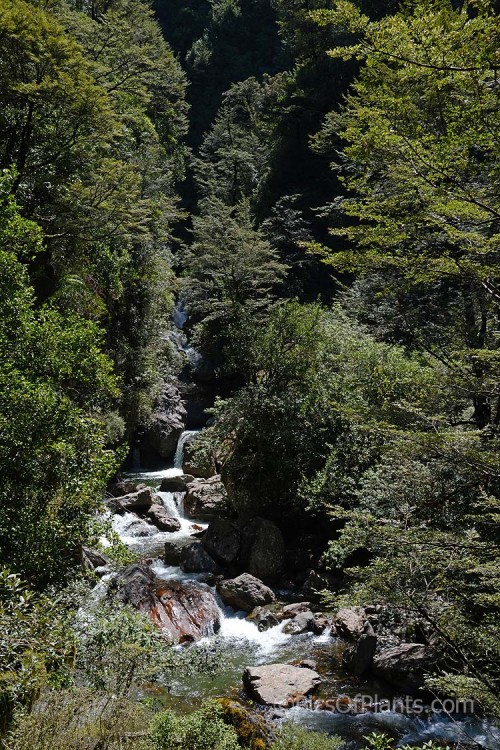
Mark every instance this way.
x=249 y=249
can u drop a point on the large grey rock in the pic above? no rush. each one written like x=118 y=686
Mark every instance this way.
x=139 y=501
x=162 y=520
x=93 y=559
x=264 y=618
x=245 y=592
x=176 y=484
x=195 y=559
x=165 y=425
x=123 y=487
x=173 y=550
x=184 y=611
x=139 y=529
x=301 y=623
x=290 y=610
x=349 y=622
x=404 y=666
x=222 y=540
x=205 y=498
x=262 y=549
x=279 y=684
x=362 y=655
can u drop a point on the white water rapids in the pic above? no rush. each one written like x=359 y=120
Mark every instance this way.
x=246 y=645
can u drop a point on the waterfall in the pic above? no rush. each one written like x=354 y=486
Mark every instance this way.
x=185 y=437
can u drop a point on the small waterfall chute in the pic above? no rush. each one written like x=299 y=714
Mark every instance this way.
x=185 y=437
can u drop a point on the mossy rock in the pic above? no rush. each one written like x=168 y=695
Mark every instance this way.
x=252 y=729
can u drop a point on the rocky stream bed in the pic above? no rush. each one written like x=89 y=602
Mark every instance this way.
x=199 y=576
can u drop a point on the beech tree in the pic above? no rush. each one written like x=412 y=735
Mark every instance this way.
x=418 y=152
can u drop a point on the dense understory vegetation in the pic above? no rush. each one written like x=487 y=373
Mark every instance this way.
x=319 y=183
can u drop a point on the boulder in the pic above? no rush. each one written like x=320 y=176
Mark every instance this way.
x=173 y=550
x=139 y=501
x=349 y=622
x=123 y=487
x=195 y=559
x=222 y=541
x=290 y=610
x=279 y=684
x=245 y=592
x=263 y=618
x=165 y=426
x=93 y=559
x=404 y=666
x=301 y=623
x=139 y=528
x=162 y=520
x=262 y=549
x=176 y=484
x=185 y=611
x=320 y=624
x=205 y=498
x=360 y=659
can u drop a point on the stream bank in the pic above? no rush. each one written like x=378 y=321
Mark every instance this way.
x=242 y=641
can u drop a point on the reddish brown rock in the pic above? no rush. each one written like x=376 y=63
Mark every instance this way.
x=185 y=611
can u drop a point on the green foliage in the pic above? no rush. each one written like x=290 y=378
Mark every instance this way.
x=80 y=718
x=420 y=162
x=55 y=380
x=313 y=416
x=36 y=649
x=293 y=737
x=378 y=741
x=202 y=730
x=233 y=274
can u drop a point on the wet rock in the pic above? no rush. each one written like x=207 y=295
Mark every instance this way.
x=139 y=501
x=254 y=730
x=161 y=519
x=290 y=610
x=205 y=498
x=262 y=549
x=306 y=664
x=123 y=487
x=264 y=618
x=404 y=666
x=359 y=659
x=93 y=559
x=222 y=540
x=165 y=426
x=245 y=592
x=320 y=624
x=135 y=585
x=279 y=684
x=176 y=484
x=185 y=611
x=139 y=528
x=173 y=550
x=349 y=622
x=301 y=623
x=195 y=559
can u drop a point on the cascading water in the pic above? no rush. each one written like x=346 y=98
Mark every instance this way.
x=241 y=643
x=185 y=437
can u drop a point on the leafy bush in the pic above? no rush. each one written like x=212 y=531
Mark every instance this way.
x=293 y=737
x=202 y=730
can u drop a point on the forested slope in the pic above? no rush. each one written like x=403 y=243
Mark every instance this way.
x=314 y=185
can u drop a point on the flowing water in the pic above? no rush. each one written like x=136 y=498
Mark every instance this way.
x=239 y=643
